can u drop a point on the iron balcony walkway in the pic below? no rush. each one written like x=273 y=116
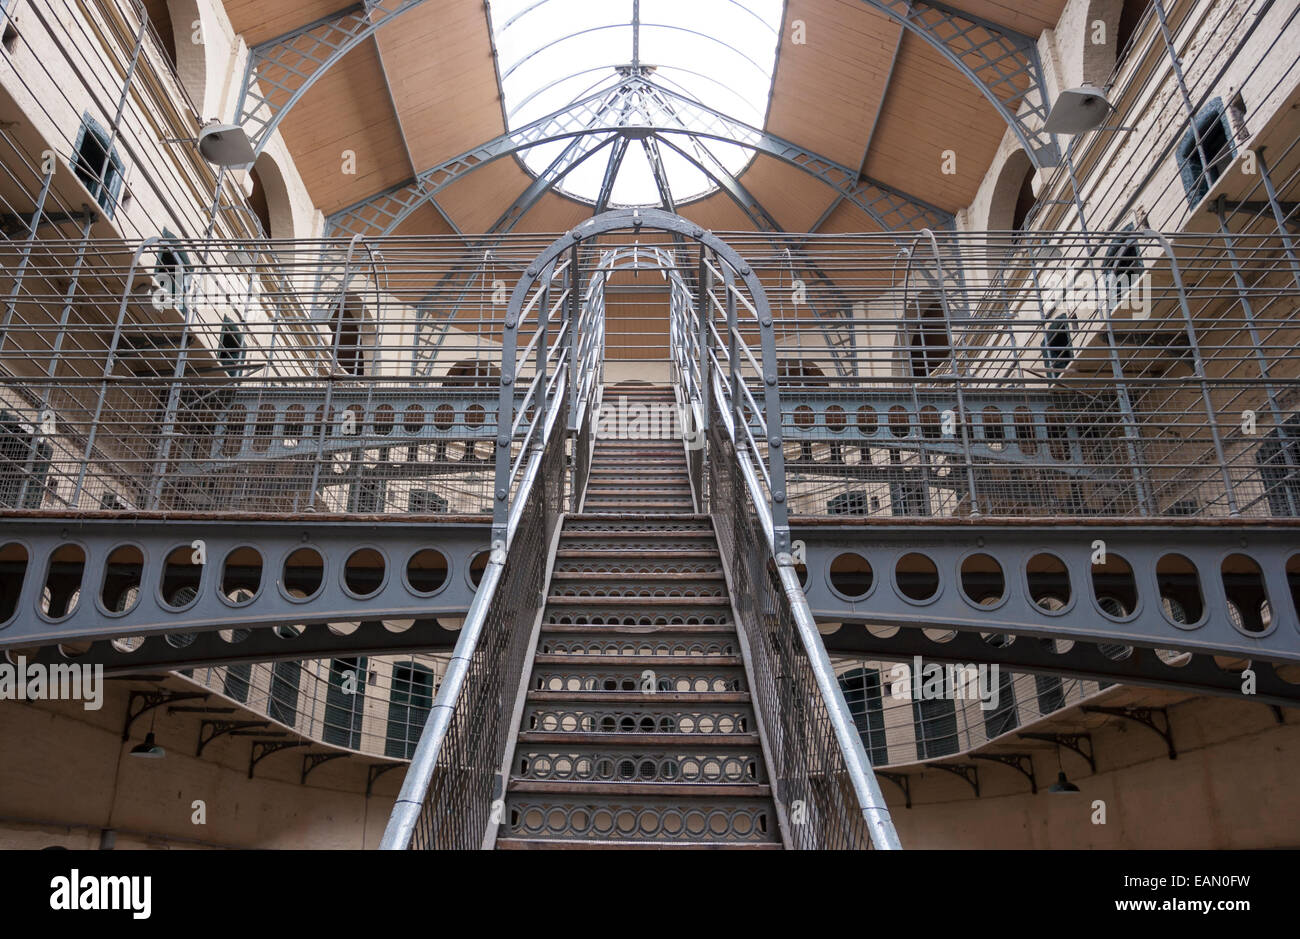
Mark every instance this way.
x=638 y=728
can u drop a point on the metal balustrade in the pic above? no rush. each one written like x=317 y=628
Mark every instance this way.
x=201 y=375
x=369 y=706
x=901 y=725
x=1105 y=375
x=456 y=771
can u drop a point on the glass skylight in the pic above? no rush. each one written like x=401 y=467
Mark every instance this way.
x=553 y=53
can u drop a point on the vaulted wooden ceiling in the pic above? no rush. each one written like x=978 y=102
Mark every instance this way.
x=860 y=90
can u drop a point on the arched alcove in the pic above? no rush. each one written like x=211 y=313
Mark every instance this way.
x=195 y=55
x=160 y=18
x=269 y=198
x=1013 y=193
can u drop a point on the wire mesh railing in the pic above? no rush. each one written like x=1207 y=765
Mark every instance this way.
x=201 y=375
x=373 y=705
x=822 y=775
x=1117 y=374
x=457 y=776
x=905 y=714
x=447 y=798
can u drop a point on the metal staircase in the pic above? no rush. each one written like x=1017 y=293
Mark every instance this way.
x=638 y=728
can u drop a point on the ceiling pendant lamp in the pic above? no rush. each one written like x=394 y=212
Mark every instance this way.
x=1062 y=784
x=148 y=750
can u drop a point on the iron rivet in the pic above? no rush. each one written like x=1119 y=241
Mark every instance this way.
x=532 y=272
x=767 y=321
x=503 y=441
x=979 y=542
x=501 y=494
x=779 y=496
x=63 y=533
x=510 y=324
x=775 y=441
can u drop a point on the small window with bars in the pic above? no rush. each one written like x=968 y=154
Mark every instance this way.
x=97 y=165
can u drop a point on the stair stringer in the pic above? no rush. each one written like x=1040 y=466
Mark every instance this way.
x=782 y=822
x=521 y=694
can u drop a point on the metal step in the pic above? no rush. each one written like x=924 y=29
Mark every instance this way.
x=638 y=729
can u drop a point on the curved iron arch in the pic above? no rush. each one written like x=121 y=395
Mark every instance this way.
x=423 y=188
x=733 y=265
x=342 y=33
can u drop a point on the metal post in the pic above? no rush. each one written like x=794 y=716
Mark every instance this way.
x=959 y=375
x=110 y=360
x=541 y=407
x=331 y=362
x=1182 y=84
x=32 y=227
x=575 y=345
x=1243 y=296
x=1199 y=365
x=1278 y=217
x=733 y=353
x=705 y=313
x=52 y=368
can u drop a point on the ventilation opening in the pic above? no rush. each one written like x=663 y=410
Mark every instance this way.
x=1114 y=586
x=917 y=576
x=1205 y=151
x=304 y=572
x=122 y=575
x=851 y=575
x=241 y=575
x=1243 y=584
x=63 y=581
x=98 y=166
x=426 y=571
x=1180 y=590
x=363 y=573
x=230 y=347
x=13 y=571
x=1057 y=351
x=477 y=565
x=929 y=343
x=181 y=577
x=1049 y=582
x=982 y=580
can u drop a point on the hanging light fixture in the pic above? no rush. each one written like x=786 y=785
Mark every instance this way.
x=148 y=750
x=1062 y=784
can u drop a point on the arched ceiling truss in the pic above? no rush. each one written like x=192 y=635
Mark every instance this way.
x=384 y=212
x=1002 y=63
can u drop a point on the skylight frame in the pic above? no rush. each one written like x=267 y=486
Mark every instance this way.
x=670 y=36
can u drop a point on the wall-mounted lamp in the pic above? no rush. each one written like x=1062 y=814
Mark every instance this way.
x=1077 y=110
